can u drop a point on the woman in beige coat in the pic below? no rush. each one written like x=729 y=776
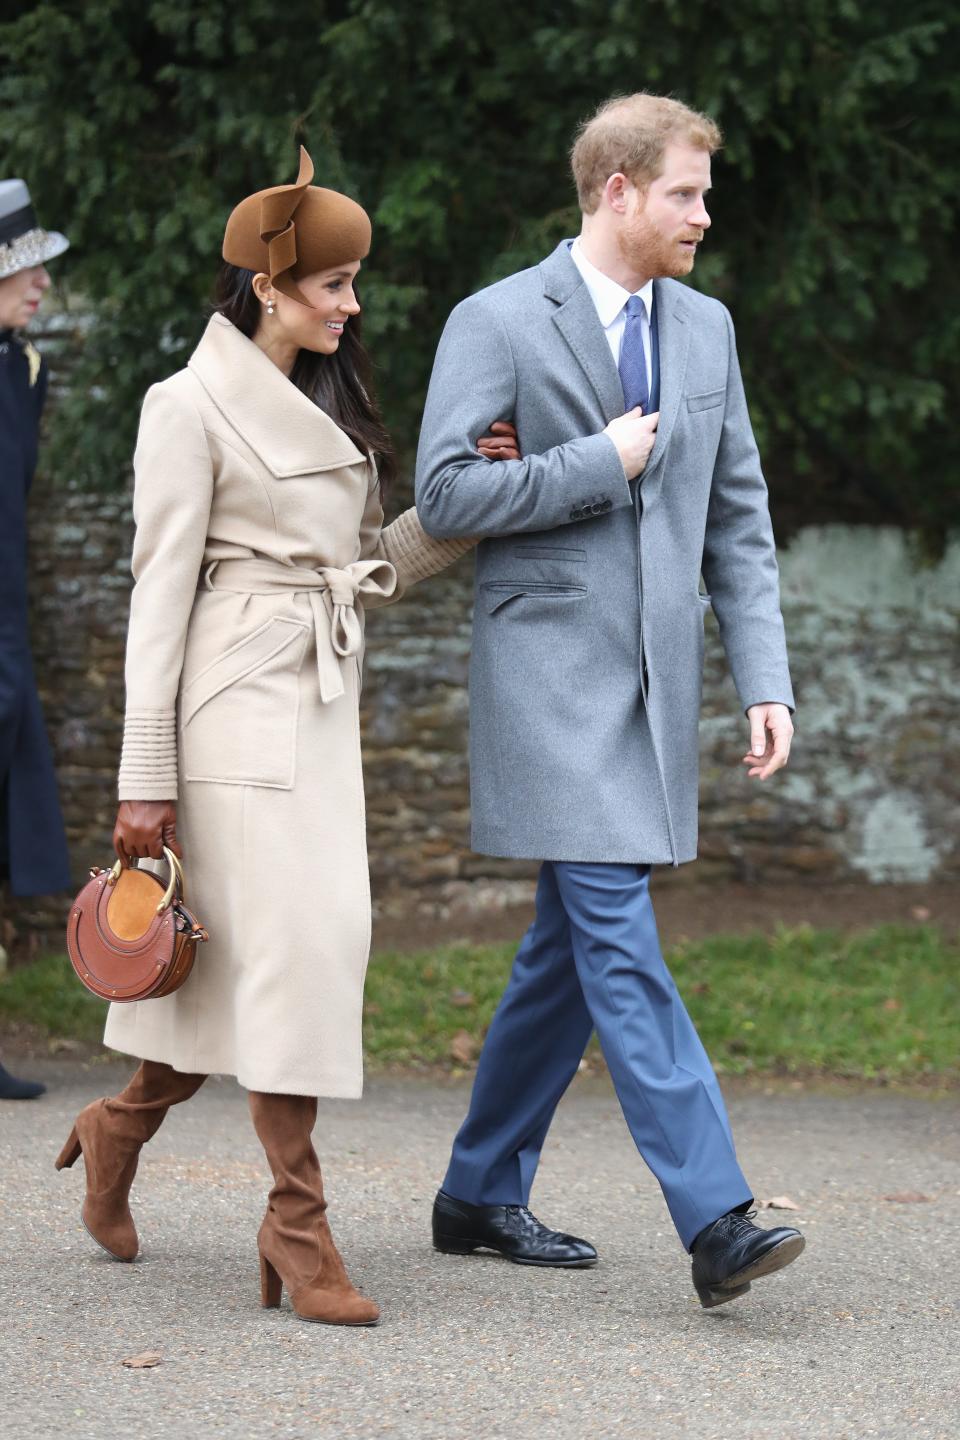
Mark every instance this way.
x=259 y=542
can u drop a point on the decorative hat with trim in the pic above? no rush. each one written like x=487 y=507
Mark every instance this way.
x=23 y=242
x=290 y=231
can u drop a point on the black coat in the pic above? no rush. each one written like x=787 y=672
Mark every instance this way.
x=33 y=847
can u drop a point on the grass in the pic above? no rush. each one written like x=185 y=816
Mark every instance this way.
x=881 y=1004
x=47 y=994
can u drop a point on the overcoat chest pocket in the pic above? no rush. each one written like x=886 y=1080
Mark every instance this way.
x=562 y=554
x=706 y=401
x=238 y=716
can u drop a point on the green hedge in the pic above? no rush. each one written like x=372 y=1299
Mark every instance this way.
x=835 y=199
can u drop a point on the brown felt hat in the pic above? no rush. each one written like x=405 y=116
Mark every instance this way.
x=290 y=231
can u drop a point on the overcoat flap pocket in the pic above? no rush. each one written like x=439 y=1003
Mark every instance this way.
x=706 y=401
x=249 y=654
x=497 y=593
x=239 y=716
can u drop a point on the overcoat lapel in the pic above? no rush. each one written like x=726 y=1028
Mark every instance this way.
x=577 y=320
x=285 y=429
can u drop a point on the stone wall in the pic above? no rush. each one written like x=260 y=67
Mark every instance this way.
x=872 y=791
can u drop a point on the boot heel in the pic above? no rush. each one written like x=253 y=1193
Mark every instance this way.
x=710 y=1297
x=453 y=1247
x=271 y=1286
x=70 y=1151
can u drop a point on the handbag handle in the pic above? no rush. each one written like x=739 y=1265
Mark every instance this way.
x=176 y=885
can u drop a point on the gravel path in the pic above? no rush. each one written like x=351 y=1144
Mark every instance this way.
x=857 y=1339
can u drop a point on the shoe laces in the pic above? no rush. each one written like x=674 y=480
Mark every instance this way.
x=522 y=1213
x=741 y=1222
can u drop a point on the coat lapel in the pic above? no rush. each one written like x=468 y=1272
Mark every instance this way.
x=287 y=431
x=578 y=322
x=674 y=344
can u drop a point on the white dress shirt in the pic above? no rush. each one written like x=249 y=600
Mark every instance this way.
x=610 y=300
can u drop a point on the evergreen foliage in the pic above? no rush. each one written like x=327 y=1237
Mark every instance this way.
x=834 y=203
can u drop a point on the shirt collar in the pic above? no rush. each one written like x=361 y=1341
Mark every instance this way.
x=607 y=295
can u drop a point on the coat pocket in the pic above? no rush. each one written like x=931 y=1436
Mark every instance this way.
x=567 y=554
x=238 y=716
x=706 y=401
x=497 y=593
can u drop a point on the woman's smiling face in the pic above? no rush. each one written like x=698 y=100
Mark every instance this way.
x=319 y=325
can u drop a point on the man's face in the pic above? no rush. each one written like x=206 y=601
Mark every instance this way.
x=665 y=223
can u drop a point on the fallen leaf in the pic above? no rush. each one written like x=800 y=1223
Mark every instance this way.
x=909 y=1197
x=462 y=999
x=62 y=1045
x=144 y=1361
x=462 y=1048
x=779 y=1202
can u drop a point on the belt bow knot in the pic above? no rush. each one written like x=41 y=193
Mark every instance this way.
x=344 y=587
x=333 y=595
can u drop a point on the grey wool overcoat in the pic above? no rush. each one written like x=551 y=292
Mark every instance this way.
x=259 y=543
x=587 y=653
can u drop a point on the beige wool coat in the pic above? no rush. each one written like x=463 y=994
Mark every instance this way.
x=259 y=541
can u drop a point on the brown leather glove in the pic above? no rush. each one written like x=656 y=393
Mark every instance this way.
x=500 y=443
x=143 y=828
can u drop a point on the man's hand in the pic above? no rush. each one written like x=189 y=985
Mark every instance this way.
x=633 y=434
x=500 y=443
x=771 y=731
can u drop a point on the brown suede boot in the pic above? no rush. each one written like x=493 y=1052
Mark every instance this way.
x=296 y=1246
x=109 y=1133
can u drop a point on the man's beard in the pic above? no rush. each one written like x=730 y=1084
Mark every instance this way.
x=650 y=253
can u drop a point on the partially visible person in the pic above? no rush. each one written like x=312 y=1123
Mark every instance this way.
x=33 y=846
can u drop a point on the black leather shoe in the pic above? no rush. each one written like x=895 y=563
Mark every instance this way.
x=511 y=1230
x=732 y=1251
x=13 y=1089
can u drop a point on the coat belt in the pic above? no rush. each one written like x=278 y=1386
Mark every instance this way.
x=334 y=597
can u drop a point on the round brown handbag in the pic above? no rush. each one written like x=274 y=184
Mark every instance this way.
x=129 y=936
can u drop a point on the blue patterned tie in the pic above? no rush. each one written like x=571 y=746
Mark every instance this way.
x=633 y=364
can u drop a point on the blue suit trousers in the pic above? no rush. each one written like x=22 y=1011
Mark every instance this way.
x=591 y=959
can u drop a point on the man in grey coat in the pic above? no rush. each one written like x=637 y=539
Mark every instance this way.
x=639 y=474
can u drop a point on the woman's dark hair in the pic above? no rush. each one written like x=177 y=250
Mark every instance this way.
x=340 y=384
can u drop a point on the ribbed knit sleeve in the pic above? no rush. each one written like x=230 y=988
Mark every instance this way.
x=414 y=554
x=173 y=492
x=405 y=544
x=148 y=761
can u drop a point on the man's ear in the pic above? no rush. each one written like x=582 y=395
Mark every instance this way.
x=614 y=192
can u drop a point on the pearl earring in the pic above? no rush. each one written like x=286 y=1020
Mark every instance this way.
x=270 y=307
